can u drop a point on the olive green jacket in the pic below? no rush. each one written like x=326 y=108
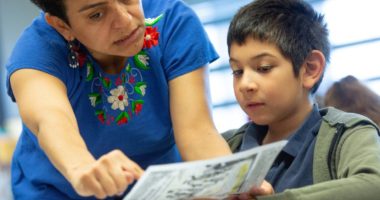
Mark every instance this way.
x=346 y=161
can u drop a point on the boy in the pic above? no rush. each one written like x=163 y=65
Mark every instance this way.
x=278 y=51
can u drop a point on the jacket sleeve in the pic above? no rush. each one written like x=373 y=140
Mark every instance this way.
x=358 y=171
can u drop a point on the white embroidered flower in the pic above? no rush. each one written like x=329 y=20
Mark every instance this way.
x=143 y=88
x=143 y=59
x=93 y=101
x=118 y=98
x=150 y=20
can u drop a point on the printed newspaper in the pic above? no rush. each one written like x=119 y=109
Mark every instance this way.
x=213 y=179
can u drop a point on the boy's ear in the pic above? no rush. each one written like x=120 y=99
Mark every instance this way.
x=313 y=68
x=59 y=25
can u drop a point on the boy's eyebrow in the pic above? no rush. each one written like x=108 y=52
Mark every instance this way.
x=261 y=55
x=89 y=6
x=258 y=56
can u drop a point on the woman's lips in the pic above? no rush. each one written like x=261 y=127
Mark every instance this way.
x=131 y=38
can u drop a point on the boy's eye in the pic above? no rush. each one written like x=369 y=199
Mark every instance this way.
x=264 y=68
x=96 y=16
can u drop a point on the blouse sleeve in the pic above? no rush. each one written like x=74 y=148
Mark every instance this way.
x=41 y=48
x=185 y=44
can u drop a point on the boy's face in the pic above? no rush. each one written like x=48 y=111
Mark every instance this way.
x=264 y=83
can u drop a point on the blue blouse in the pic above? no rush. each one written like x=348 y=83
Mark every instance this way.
x=128 y=111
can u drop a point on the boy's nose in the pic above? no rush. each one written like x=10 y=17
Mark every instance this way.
x=248 y=83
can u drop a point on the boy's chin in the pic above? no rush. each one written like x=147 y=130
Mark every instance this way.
x=260 y=122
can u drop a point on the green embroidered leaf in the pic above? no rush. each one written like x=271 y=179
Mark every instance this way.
x=90 y=71
x=153 y=21
x=140 y=88
x=141 y=60
x=123 y=78
x=95 y=99
x=99 y=112
x=106 y=82
x=121 y=116
x=128 y=68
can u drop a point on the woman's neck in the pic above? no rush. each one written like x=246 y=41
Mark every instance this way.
x=110 y=64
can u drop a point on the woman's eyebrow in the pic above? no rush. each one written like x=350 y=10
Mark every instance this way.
x=89 y=6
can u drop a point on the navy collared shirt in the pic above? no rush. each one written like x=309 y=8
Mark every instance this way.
x=293 y=167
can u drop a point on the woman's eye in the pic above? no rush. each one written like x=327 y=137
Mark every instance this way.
x=237 y=72
x=126 y=1
x=264 y=68
x=96 y=16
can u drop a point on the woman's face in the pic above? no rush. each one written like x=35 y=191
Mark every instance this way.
x=107 y=27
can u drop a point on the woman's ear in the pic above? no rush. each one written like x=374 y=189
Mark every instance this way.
x=59 y=25
x=313 y=69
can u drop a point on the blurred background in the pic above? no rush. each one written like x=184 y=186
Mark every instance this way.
x=354 y=35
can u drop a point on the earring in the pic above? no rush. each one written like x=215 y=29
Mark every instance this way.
x=73 y=53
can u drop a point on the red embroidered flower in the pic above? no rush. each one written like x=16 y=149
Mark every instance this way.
x=123 y=120
x=150 y=37
x=118 y=81
x=138 y=108
x=101 y=117
x=131 y=79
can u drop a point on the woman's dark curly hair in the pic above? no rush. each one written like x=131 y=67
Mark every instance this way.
x=54 y=7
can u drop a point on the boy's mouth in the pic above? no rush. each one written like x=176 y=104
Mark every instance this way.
x=254 y=105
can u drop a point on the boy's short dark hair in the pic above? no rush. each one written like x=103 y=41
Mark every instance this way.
x=292 y=25
x=53 y=7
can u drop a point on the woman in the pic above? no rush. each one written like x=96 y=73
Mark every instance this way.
x=101 y=91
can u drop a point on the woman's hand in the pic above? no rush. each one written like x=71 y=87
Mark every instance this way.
x=110 y=175
x=265 y=189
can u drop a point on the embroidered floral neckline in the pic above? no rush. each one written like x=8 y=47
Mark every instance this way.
x=117 y=100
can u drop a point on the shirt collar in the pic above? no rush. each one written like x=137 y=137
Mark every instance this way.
x=255 y=134
x=309 y=128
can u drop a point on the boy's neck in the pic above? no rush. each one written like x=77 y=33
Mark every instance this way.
x=283 y=129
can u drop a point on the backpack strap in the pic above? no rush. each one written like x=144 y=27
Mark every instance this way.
x=334 y=125
x=234 y=137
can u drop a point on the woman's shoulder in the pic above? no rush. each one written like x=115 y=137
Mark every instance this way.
x=38 y=38
x=153 y=8
x=40 y=29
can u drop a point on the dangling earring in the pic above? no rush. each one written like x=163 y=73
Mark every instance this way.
x=73 y=46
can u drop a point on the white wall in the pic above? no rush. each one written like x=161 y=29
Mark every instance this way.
x=15 y=15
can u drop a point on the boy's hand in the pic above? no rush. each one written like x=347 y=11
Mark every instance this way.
x=110 y=175
x=265 y=189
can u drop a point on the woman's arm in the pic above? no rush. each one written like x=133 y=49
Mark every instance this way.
x=195 y=133
x=46 y=111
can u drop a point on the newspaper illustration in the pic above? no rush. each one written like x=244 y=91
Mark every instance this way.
x=213 y=179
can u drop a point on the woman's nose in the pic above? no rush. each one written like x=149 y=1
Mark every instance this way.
x=122 y=17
